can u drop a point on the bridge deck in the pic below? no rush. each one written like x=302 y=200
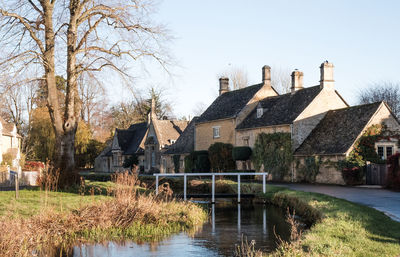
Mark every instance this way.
x=216 y=195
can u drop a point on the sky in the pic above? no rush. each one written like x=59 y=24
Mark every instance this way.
x=361 y=38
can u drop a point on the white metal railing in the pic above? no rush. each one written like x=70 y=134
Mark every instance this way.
x=185 y=175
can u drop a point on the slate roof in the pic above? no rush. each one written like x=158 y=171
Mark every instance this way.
x=185 y=143
x=229 y=104
x=338 y=130
x=168 y=130
x=282 y=109
x=130 y=140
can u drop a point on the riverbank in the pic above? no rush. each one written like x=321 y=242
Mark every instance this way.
x=339 y=227
x=44 y=221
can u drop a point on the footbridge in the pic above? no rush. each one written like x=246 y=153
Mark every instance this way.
x=212 y=175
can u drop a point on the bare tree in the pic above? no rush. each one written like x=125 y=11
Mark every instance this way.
x=387 y=91
x=76 y=36
x=237 y=77
x=92 y=95
x=280 y=79
x=199 y=108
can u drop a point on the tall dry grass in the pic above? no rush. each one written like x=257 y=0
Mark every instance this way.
x=127 y=214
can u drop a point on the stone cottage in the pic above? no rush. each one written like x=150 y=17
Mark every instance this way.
x=336 y=134
x=218 y=122
x=147 y=140
x=161 y=135
x=10 y=144
x=237 y=117
x=183 y=146
x=125 y=143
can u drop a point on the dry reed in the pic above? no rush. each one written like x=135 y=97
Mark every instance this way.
x=123 y=215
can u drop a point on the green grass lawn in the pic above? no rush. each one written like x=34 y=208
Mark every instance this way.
x=32 y=201
x=346 y=229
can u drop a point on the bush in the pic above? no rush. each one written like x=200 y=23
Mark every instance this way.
x=189 y=163
x=8 y=158
x=353 y=176
x=241 y=153
x=393 y=175
x=132 y=160
x=197 y=161
x=176 y=158
x=34 y=166
x=220 y=156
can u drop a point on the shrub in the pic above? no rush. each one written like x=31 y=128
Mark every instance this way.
x=241 y=153
x=220 y=155
x=34 y=166
x=353 y=176
x=393 y=175
x=132 y=160
x=176 y=158
x=189 y=163
x=274 y=152
x=8 y=158
x=197 y=161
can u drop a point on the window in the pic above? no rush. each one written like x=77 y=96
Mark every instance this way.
x=246 y=141
x=389 y=151
x=259 y=112
x=216 y=132
x=173 y=141
x=381 y=154
x=385 y=151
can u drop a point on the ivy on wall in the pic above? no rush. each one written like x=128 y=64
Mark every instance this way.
x=308 y=171
x=274 y=152
x=364 y=148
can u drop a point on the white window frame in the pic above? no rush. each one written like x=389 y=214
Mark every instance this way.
x=385 y=145
x=216 y=129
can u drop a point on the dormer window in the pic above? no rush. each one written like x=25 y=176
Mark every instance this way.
x=259 y=112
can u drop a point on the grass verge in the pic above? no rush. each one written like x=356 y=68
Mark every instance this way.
x=340 y=227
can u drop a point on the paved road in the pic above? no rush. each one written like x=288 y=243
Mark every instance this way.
x=383 y=200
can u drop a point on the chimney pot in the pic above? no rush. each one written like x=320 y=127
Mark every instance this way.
x=327 y=81
x=297 y=80
x=223 y=85
x=266 y=75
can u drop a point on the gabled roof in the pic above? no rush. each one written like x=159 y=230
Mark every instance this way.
x=185 y=143
x=282 y=109
x=130 y=140
x=338 y=130
x=229 y=104
x=168 y=130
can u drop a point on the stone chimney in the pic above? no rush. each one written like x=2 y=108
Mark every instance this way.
x=153 y=109
x=266 y=75
x=327 y=81
x=297 y=81
x=223 y=85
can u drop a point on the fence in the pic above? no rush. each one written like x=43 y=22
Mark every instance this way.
x=376 y=174
x=185 y=175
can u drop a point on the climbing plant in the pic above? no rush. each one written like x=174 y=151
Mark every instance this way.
x=274 y=152
x=364 y=148
x=308 y=171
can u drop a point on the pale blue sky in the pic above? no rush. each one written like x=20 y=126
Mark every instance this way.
x=361 y=38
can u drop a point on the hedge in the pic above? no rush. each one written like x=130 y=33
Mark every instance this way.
x=241 y=153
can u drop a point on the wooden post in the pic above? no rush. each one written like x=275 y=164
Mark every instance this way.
x=184 y=187
x=156 y=184
x=238 y=188
x=16 y=186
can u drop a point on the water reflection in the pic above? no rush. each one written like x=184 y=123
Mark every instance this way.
x=216 y=238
